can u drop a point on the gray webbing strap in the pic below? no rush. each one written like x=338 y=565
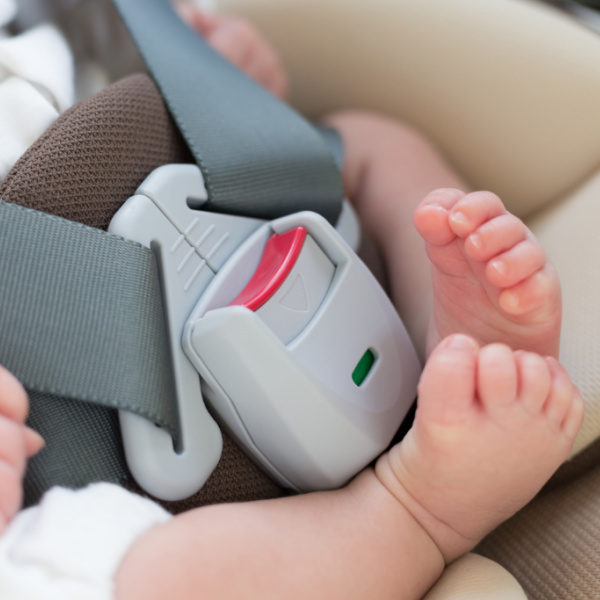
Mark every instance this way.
x=81 y=315
x=83 y=444
x=258 y=157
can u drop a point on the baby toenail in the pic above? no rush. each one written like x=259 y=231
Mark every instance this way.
x=499 y=266
x=459 y=218
x=461 y=342
x=476 y=241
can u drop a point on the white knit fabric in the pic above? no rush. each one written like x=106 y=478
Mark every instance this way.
x=36 y=85
x=70 y=546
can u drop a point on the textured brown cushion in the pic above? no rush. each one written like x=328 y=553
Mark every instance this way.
x=96 y=154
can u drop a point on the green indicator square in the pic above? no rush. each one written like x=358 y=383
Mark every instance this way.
x=363 y=367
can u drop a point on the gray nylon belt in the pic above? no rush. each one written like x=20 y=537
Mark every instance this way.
x=83 y=444
x=81 y=314
x=259 y=158
x=81 y=318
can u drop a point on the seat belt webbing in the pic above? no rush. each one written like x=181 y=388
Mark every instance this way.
x=259 y=158
x=82 y=316
x=83 y=444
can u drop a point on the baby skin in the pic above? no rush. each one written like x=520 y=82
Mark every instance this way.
x=17 y=443
x=477 y=454
x=460 y=471
x=492 y=425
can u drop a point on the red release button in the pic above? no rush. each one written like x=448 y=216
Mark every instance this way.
x=278 y=259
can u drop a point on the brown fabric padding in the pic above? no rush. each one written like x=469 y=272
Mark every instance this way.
x=96 y=154
x=83 y=168
x=552 y=545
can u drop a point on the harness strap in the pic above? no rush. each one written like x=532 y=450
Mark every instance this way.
x=259 y=158
x=81 y=318
x=81 y=314
x=83 y=444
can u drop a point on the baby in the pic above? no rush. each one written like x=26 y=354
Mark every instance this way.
x=496 y=415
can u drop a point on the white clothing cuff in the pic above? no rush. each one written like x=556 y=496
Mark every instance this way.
x=70 y=546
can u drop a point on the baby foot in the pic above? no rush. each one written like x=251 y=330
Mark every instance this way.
x=491 y=427
x=491 y=277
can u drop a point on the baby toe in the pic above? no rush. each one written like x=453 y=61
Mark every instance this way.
x=431 y=216
x=447 y=384
x=562 y=392
x=473 y=210
x=574 y=418
x=516 y=264
x=496 y=377
x=444 y=197
x=534 y=292
x=495 y=237
x=535 y=381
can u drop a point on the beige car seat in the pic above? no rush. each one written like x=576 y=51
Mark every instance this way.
x=510 y=91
